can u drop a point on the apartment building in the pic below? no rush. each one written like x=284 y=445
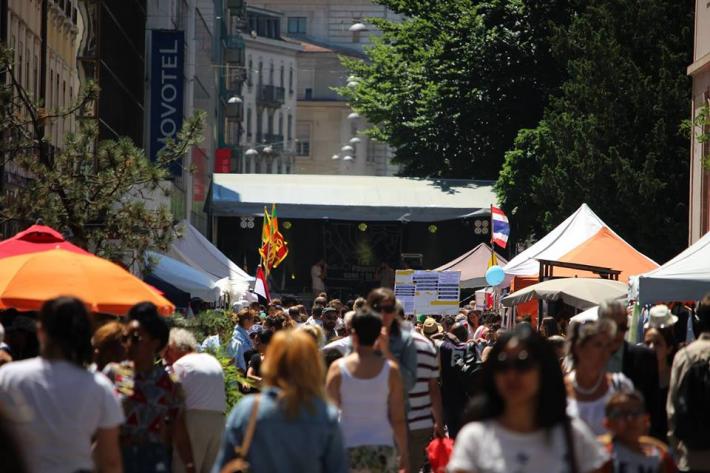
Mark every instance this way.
x=699 y=70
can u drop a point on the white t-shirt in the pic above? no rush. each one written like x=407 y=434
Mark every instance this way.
x=202 y=380
x=488 y=447
x=343 y=345
x=54 y=408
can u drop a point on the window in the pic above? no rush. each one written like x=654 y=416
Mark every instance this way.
x=261 y=72
x=248 y=124
x=303 y=139
x=289 y=127
x=281 y=76
x=290 y=80
x=271 y=74
x=281 y=124
x=250 y=72
x=309 y=94
x=297 y=25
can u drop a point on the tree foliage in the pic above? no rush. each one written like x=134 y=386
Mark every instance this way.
x=611 y=137
x=450 y=86
x=103 y=194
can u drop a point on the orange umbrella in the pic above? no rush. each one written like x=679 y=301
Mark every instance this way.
x=27 y=281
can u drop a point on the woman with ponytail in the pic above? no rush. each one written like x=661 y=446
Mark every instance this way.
x=289 y=427
x=55 y=406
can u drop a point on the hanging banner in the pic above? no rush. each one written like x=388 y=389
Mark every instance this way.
x=428 y=292
x=167 y=58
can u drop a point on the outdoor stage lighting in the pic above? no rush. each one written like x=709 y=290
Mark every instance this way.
x=362 y=227
x=287 y=225
x=433 y=228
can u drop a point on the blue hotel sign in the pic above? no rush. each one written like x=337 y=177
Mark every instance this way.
x=167 y=60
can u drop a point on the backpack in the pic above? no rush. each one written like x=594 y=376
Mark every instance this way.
x=468 y=372
x=692 y=410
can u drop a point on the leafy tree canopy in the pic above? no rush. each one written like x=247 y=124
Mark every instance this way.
x=103 y=194
x=451 y=85
x=611 y=137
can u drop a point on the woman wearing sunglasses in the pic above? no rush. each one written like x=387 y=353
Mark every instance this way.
x=519 y=423
x=153 y=404
x=396 y=343
x=588 y=385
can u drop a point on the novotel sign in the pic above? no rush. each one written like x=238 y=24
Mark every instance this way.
x=167 y=60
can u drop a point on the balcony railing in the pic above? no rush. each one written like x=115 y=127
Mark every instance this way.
x=276 y=142
x=270 y=96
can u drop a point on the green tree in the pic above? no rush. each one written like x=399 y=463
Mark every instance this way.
x=102 y=193
x=611 y=137
x=450 y=86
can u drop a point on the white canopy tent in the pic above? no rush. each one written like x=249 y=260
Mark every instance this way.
x=684 y=278
x=187 y=279
x=197 y=251
x=473 y=265
x=575 y=230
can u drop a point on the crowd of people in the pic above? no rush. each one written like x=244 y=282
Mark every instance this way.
x=354 y=386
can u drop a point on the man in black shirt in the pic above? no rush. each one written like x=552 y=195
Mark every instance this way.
x=455 y=357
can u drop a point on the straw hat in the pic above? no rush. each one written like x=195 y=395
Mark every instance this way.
x=660 y=316
x=430 y=327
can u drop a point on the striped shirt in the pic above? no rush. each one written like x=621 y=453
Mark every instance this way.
x=420 y=414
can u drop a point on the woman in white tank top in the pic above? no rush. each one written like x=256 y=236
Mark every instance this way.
x=589 y=386
x=369 y=392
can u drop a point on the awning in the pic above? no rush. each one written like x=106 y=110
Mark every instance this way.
x=369 y=198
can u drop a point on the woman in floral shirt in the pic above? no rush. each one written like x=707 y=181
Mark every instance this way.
x=152 y=402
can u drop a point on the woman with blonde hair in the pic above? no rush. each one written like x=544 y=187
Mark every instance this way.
x=289 y=427
x=589 y=385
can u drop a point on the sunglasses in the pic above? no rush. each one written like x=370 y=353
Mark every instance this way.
x=134 y=337
x=520 y=363
x=626 y=414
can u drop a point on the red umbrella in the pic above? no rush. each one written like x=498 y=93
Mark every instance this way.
x=35 y=239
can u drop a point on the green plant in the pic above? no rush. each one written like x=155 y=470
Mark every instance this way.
x=217 y=322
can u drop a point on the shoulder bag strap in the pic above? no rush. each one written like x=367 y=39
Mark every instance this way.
x=571 y=457
x=251 y=427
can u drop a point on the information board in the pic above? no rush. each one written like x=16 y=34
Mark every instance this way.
x=428 y=292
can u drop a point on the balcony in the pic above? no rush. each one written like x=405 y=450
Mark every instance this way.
x=270 y=96
x=276 y=142
x=234 y=49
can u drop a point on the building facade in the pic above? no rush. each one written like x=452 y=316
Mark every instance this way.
x=700 y=152
x=329 y=138
x=197 y=24
x=269 y=96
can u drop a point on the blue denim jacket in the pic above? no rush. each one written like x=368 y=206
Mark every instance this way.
x=312 y=442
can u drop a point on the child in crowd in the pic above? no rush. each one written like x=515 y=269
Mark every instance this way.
x=630 y=449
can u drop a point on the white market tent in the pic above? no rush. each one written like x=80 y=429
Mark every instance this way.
x=473 y=265
x=684 y=278
x=575 y=230
x=198 y=252
x=187 y=279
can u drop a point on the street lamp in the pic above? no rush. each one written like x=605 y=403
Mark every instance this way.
x=251 y=152
x=353 y=116
x=335 y=156
x=358 y=27
x=347 y=149
x=234 y=99
x=348 y=158
x=354 y=140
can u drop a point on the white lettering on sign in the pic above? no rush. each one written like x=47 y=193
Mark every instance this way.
x=168 y=92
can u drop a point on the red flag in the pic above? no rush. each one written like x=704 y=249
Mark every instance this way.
x=261 y=287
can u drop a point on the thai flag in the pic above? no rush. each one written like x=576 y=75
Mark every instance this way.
x=501 y=228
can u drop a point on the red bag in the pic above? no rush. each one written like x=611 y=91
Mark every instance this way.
x=439 y=451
